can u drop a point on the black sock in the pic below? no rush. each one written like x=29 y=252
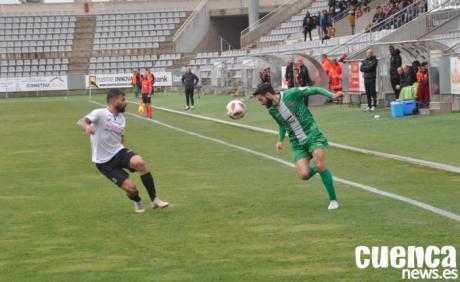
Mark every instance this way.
x=147 y=180
x=135 y=197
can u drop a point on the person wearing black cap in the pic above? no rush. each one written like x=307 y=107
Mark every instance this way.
x=307 y=141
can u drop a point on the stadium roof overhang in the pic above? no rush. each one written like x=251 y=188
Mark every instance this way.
x=411 y=49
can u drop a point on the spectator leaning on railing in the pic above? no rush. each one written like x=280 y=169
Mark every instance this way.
x=352 y=20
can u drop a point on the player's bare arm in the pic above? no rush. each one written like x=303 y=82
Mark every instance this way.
x=86 y=125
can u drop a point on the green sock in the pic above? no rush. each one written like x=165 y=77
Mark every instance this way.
x=313 y=170
x=328 y=182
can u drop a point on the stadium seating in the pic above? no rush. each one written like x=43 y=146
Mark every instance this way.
x=34 y=67
x=135 y=30
x=292 y=27
x=126 y=64
x=36 y=33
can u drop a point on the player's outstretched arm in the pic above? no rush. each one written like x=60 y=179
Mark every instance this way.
x=86 y=125
x=309 y=91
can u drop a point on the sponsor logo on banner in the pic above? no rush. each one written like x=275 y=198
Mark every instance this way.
x=39 y=83
x=455 y=75
x=355 y=78
x=415 y=262
x=124 y=80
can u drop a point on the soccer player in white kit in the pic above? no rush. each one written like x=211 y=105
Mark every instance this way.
x=106 y=128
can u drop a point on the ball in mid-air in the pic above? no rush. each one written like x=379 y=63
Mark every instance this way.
x=236 y=109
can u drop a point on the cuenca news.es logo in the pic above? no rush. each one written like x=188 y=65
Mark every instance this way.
x=415 y=262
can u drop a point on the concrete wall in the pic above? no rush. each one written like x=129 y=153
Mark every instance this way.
x=195 y=28
x=133 y=5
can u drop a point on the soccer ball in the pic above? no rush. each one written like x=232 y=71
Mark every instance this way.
x=236 y=109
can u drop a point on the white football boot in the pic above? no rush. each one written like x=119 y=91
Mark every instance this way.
x=333 y=205
x=157 y=203
x=139 y=207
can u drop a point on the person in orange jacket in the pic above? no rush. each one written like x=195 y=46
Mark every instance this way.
x=146 y=90
x=326 y=63
x=335 y=76
x=150 y=79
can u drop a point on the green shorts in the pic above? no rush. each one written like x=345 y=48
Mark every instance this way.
x=316 y=141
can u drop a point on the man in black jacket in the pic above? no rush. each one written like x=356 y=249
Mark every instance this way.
x=189 y=80
x=308 y=24
x=289 y=76
x=369 y=68
x=395 y=63
x=304 y=78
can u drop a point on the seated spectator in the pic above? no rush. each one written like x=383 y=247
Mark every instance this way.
x=423 y=89
x=406 y=87
x=378 y=16
x=330 y=33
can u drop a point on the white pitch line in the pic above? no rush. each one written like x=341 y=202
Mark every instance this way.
x=430 y=164
x=371 y=189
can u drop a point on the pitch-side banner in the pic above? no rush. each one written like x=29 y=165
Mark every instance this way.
x=39 y=83
x=355 y=78
x=455 y=75
x=124 y=80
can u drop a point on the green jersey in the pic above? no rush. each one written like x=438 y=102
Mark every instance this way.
x=294 y=117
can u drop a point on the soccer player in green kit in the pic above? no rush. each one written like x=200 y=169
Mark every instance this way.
x=307 y=141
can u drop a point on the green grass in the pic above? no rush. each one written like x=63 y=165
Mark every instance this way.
x=233 y=216
x=433 y=138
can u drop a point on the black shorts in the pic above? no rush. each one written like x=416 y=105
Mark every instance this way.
x=114 y=169
x=146 y=98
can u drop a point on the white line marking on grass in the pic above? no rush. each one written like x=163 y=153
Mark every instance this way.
x=416 y=203
x=430 y=164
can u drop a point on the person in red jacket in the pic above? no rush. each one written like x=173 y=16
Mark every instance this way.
x=146 y=90
x=423 y=89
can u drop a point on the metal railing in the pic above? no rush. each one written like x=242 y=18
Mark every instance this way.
x=271 y=20
x=194 y=14
x=394 y=21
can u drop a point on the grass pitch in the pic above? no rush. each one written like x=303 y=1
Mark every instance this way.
x=233 y=216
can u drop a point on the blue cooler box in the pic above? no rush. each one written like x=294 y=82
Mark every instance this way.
x=409 y=107
x=397 y=109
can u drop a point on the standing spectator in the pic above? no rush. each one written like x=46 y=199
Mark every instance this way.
x=289 y=75
x=190 y=81
x=265 y=76
x=369 y=68
x=330 y=33
x=304 y=76
x=352 y=20
x=423 y=89
x=323 y=21
x=319 y=29
x=308 y=25
x=332 y=4
x=326 y=63
x=395 y=63
x=335 y=76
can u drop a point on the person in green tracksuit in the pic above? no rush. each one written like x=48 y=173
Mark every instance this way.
x=307 y=140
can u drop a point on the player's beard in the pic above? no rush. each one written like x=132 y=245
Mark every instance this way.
x=120 y=108
x=269 y=103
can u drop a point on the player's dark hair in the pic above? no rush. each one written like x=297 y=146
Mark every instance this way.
x=114 y=93
x=264 y=88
